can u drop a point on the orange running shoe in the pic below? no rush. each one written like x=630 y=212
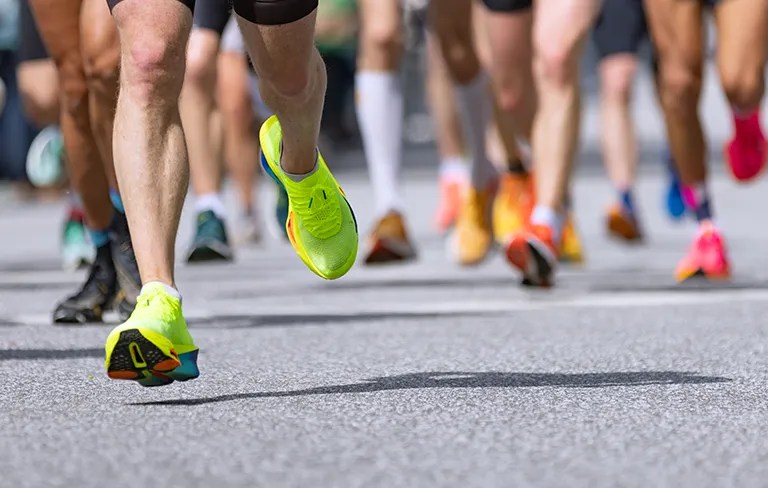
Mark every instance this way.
x=622 y=224
x=707 y=257
x=389 y=241
x=747 y=152
x=473 y=236
x=533 y=252
x=452 y=190
x=512 y=206
x=571 y=250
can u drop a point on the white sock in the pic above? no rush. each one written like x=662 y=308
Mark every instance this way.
x=168 y=288
x=454 y=167
x=551 y=218
x=212 y=202
x=380 y=116
x=475 y=106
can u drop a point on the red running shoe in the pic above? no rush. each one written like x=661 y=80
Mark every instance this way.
x=746 y=153
x=707 y=257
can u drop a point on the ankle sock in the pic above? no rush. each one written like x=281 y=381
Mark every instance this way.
x=212 y=202
x=549 y=217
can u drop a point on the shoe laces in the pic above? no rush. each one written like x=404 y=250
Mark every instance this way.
x=317 y=207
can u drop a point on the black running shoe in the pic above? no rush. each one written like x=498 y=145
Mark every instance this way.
x=88 y=304
x=128 y=279
x=211 y=242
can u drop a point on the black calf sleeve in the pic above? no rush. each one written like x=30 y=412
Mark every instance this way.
x=274 y=12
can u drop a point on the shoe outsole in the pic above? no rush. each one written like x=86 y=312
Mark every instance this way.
x=149 y=358
x=622 y=229
x=700 y=274
x=209 y=252
x=384 y=251
x=77 y=317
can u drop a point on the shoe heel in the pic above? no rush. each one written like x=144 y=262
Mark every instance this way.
x=268 y=169
x=137 y=353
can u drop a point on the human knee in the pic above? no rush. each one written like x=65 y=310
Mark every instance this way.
x=153 y=70
x=616 y=86
x=680 y=90
x=556 y=63
x=381 y=41
x=201 y=66
x=743 y=89
x=72 y=82
x=101 y=69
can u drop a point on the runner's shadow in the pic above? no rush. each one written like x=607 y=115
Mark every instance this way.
x=453 y=379
x=34 y=354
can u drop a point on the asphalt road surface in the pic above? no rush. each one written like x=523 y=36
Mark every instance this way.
x=410 y=376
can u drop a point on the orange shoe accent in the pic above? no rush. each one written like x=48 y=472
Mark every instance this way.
x=532 y=251
x=389 y=241
x=622 y=225
x=707 y=257
x=123 y=375
x=512 y=206
x=570 y=250
x=167 y=365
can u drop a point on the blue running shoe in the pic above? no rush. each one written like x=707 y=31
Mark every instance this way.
x=674 y=198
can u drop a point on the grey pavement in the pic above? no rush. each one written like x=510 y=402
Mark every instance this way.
x=420 y=375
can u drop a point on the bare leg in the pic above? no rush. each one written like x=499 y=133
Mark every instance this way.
x=101 y=57
x=59 y=23
x=39 y=87
x=197 y=105
x=617 y=73
x=241 y=145
x=150 y=155
x=292 y=83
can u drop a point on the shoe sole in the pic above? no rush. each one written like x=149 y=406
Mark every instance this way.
x=747 y=179
x=149 y=358
x=533 y=260
x=385 y=251
x=700 y=274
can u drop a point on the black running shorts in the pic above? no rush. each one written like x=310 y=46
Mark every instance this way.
x=212 y=15
x=507 y=5
x=31 y=47
x=621 y=27
x=263 y=12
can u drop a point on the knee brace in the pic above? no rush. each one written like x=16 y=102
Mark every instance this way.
x=274 y=12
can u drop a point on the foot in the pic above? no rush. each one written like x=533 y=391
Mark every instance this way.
x=95 y=296
x=153 y=347
x=211 y=242
x=473 y=236
x=320 y=225
x=388 y=242
x=707 y=257
x=532 y=251
x=248 y=230
x=512 y=206
x=571 y=250
x=747 y=152
x=45 y=158
x=621 y=223
x=128 y=279
x=76 y=250
x=452 y=190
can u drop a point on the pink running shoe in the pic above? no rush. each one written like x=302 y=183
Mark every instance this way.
x=746 y=153
x=707 y=256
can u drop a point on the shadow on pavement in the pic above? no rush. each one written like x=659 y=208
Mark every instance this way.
x=32 y=354
x=454 y=379
x=275 y=320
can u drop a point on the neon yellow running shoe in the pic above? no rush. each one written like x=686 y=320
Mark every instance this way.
x=153 y=346
x=320 y=225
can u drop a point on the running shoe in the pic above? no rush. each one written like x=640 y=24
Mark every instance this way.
x=281 y=209
x=452 y=190
x=321 y=225
x=210 y=242
x=95 y=296
x=707 y=257
x=512 y=206
x=674 y=201
x=248 y=230
x=473 y=236
x=622 y=223
x=532 y=251
x=747 y=152
x=76 y=249
x=45 y=158
x=153 y=347
x=124 y=260
x=571 y=249
x=388 y=242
